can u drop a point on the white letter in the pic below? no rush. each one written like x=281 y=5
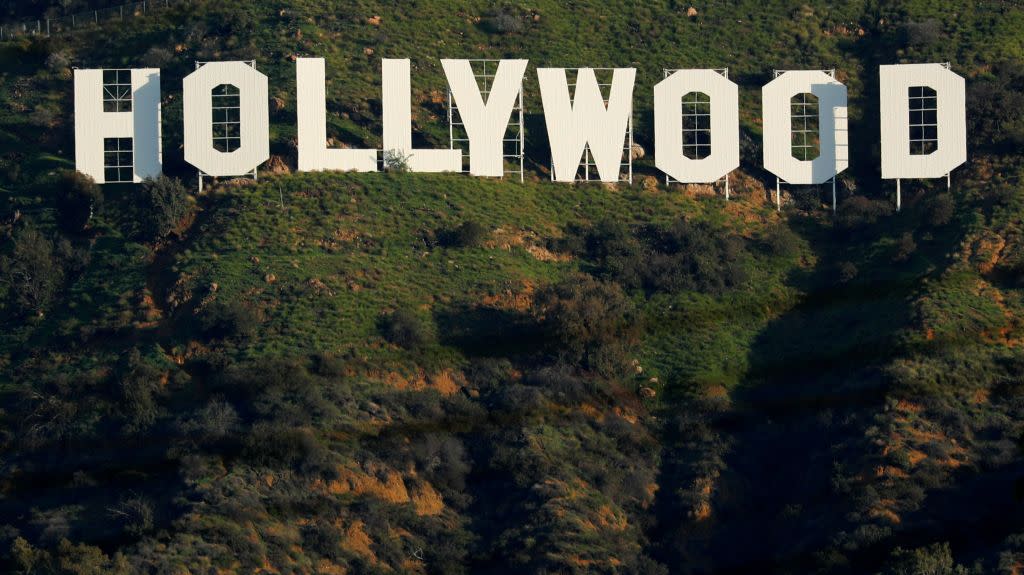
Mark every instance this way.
x=398 y=123
x=572 y=124
x=777 y=110
x=311 y=110
x=485 y=124
x=245 y=119
x=117 y=124
x=724 y=126
x=938 y=117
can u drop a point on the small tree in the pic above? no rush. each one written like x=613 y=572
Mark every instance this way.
x=469 y=234
x=406 y=329
x=229 y=318
x=32 y=271
x=77 y=197
x=161 y=206
x=589 y=322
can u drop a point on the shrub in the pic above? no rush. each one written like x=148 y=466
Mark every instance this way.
x=782 y=241
x=922 y=34
x=996 y=114
x=137 y=386
x=858 y=212
x=157 y=57
x=77 y=197
x=32 y=271
x=406 y=329
x=503 y=21
x=941 y=210
x=229 y=317
x=135 y=514
x=469 y=234
x=847 y=271
x=905 y=247
x=935 y=559
x=396 y=161
x=587 y=321
x=58 y=61
x=682 y=256
x=161 y=205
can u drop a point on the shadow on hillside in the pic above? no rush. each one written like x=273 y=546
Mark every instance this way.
x=814 y=384
x=487 y=332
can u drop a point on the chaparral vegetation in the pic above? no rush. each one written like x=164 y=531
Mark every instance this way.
x=408 y=373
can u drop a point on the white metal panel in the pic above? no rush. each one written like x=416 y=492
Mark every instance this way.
x=668 y=126
x=198 y=116
x=311 y=112
x=485 y=123
x=398 y=123
x=950 y=90
x=584 y=120
x=832 y=127
x=142 y=124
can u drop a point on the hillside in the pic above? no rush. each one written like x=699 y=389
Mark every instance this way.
x=409 y=373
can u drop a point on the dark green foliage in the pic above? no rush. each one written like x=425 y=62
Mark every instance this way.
x=905 y=247
x=77 y=197
x=34 y=269
x=941 y=209
x=588 y=322
x=781 y=241
x=229 y=318
x=406 y=328
x=996 y=112
x=505 y=20
x=468 y=234
x=922 y=34
x=682 y=256
x=859 y=212
x=160 y=207
x=138 y=384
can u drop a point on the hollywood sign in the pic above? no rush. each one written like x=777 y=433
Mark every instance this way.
x=696 y=122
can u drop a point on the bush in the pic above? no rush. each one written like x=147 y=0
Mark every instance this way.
x=58 y=61
x=467 y=235
x=858 y=212
x=936 y=559
x=406 y=329
x=396 y=161
x=135 y=514
x=588 y=322
x=77 y=197
x=683 y=256
x=161 y=206
x=996 y=114
x=922 y=34
x=941 y=210
x=138 y=384
x=32 y=271
x=781 y=241
x=905 y=247
x=229 y=317
x=504 y=21
x=157 y=57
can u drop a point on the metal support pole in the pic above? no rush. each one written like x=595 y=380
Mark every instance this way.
x=899 y=202
x=833 y=195
x=949 y=181
x=727 y=187
x=778 y=195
